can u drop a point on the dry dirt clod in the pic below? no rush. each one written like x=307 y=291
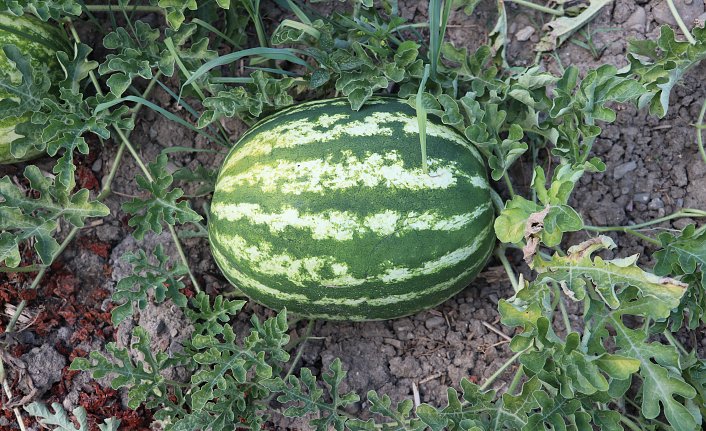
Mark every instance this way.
x=689 y=12
x=44 y=365
x=638 y=20
x=525 y=33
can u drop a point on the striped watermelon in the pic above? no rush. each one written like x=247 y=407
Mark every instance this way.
x=327 y=212
x=39 y=40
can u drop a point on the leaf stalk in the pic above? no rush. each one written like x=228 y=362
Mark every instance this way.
x=680 y=22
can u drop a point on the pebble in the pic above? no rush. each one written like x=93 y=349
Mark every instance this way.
x=701 y=20
x=435 y=322
x=97 y=165
x=655 y=204
x=621 y=170
x=689 y=12
x=641 y=197
x=525 y=33
x=638 y=20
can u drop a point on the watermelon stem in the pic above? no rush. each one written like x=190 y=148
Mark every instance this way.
x=500 y=254
x=562 y=308
x=501 y=370
x=508 y=183
x=115 y=8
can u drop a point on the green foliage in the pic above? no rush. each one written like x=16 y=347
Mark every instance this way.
x=140 y=53
x=160 y=279
x=685 y=255
x=303 y=396
x=141 y=376
x=660 y=64
x=577 y=269
x=163 y=205
x=24 y=217
x=60 y=421
x=602 y=360
x=28 y=94
x=210 y=319
x=62 y=123
x=263 y=95
x=44 y=9
x=176 y=9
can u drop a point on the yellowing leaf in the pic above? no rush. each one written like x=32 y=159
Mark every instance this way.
x=577 y=268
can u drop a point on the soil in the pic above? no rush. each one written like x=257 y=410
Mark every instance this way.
x=653 y=169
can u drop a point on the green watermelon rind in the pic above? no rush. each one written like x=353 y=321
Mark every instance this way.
x=374 y=238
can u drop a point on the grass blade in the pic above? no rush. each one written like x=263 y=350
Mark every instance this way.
x=214 y=30
x=270 y=53
x=422 y=119
x=107 y=105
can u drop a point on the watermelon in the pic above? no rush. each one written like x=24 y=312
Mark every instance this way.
x=328 y=212
x=40 y=41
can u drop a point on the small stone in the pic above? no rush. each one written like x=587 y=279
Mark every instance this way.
x=641 y=197
x=621 y=170
x=97 y=165
x=525 y=33
x=701 y=20
x=689 y=12
x=435 y=322
x=655 y=204
x=638 y=20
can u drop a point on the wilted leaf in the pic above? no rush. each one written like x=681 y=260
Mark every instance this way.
x=560 y=29
x=608 y=276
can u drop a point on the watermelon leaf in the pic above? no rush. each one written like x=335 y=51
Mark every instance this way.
x=163 y=205
x=25 y=217
x=29 y=92
x=576 y=270
x=58 y=420
x=231 y=377
x=685 y=256
x=140 y=53
x=400 y=415
x=303 y=396
x=142 y=376
x=44 y=9
x=263 y=95
x=660 y=64
x=210 y=319
x=163 y=280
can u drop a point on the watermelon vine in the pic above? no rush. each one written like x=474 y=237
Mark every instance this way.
x=620 y=367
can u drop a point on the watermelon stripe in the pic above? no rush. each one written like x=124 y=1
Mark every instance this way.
x=328 y=127
x=29 y=30
x=367 y=308
x=306 y=270
x=323 y=175
x=345 y=225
